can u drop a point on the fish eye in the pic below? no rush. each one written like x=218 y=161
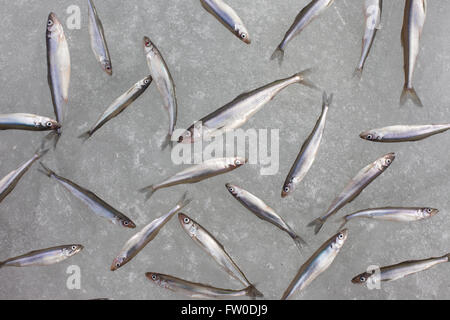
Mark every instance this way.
x=237 y=162
x=369 y=136
x=50 y=22
x=117 y=264
x=287 y=189
x=341 y=236
x=108 y=68
x=49 y=124
x=153 y=277
x=188 y=133
x=147 y=43
x=125 y=223
x=388 y=161
x=243 y=36
x=231 y=189
x=186 y=220
x=146 y=81
x=362 y=279
x=429 y=210
x=74 y=247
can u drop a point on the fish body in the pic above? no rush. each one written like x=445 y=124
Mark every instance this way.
x=317 y=264
x=312 y=10
x=401 y=270
x=215 y=249
x=136 y=243
x=236 y=113
x=355 y=187
x=44 y=257
x=372 y=13
x=26 y=121
x=97 y=205
x=58 y=63
x=196 y=173
x=196 y=290
x=402 y=133
x=396 y=214
x=263 y=211
x=228 y=17
x=119 y=105
x=165 y=84
x=413 y=22
x=308 y=152
x=98 y=40
x=10 y=181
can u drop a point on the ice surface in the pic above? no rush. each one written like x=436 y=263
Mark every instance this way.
x=210 y=67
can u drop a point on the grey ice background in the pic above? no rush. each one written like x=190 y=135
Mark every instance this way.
x=210 y=67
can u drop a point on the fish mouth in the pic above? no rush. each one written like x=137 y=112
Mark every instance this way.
x=247 y=41
x=284 y=194
x=363 y=135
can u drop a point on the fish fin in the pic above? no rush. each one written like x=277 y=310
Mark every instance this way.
x=278 y=54
x=85 y=136
x=358 y=73
x=410 y=93
x=327 y=100
x=253 y=293
x=46 y=170
x=317 y=224
x=304 y=81
x=299 y=242
x=184 y=201
x=56 y=138
x=148 y=191
x=168 y=141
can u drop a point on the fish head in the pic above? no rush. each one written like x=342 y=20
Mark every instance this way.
x=370 y=136
x=188 y=224
x=234 y=190
x=339 y=239
x=193 y=134
x=149 y=47
x=428 y=212
x=53 y=25
x=155 y=277
x=386 y=160
x=73 y=249
x=117 y=263
x=236 y=162
x=144 y=83
x=361 y=278
x=287 y=188
x=48 y=124
x=127 y=223
x=106 y=66
x=242 y=33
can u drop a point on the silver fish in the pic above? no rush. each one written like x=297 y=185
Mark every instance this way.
x=216 y=250
x=308 y=152
x=44 y=257
x=263 y=211
x=303 y=19
x=196 y=173
x=236 y=113
x=196 y=290
x=372 y=13
x=413 y=22
x=97 y=205
x=58 y=62
x=165 y=84
x=147 y=234
x=98 y=40
x=392 y=214
x=119 y=105
x=10 y=181
x=400 y=270
x=317 y=264
x=228 y=17
x=354 y=188
x=26 y=121
x=403 y=133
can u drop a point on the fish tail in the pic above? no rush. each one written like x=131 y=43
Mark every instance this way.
x=447 y=255
x=184 y=201
x=358 y=73
x=148 y=192
x=344 y=222
x=2 y=264
x=168 y=141
x=253 y=293
x=317 y=224
x=327 y=100
x=56 y=138
x=299 y=242
x=85 y=136
x=278 y=54
x=303 y=79
x=49 y=173
x=410 y=93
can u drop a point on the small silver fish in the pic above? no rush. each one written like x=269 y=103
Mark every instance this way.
x=98 y=40
x=413 y=22
x=372 y=13
x=196 y=173
x=165 y=84
x=228 y=17
x=303 y=19
x=97 y=205
x=58 y=62
x=216 y=250
x=44 y=257
x=402 y=133
x=147 y=234
x=308 y=152
x=26 y=121
x=263 y=211
x=397 y=214
x=10 y=181
x=119 y=105
x=196 y=290
x=398 y=271
x=236 y=113
x=317 y=264
x=354 y=188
